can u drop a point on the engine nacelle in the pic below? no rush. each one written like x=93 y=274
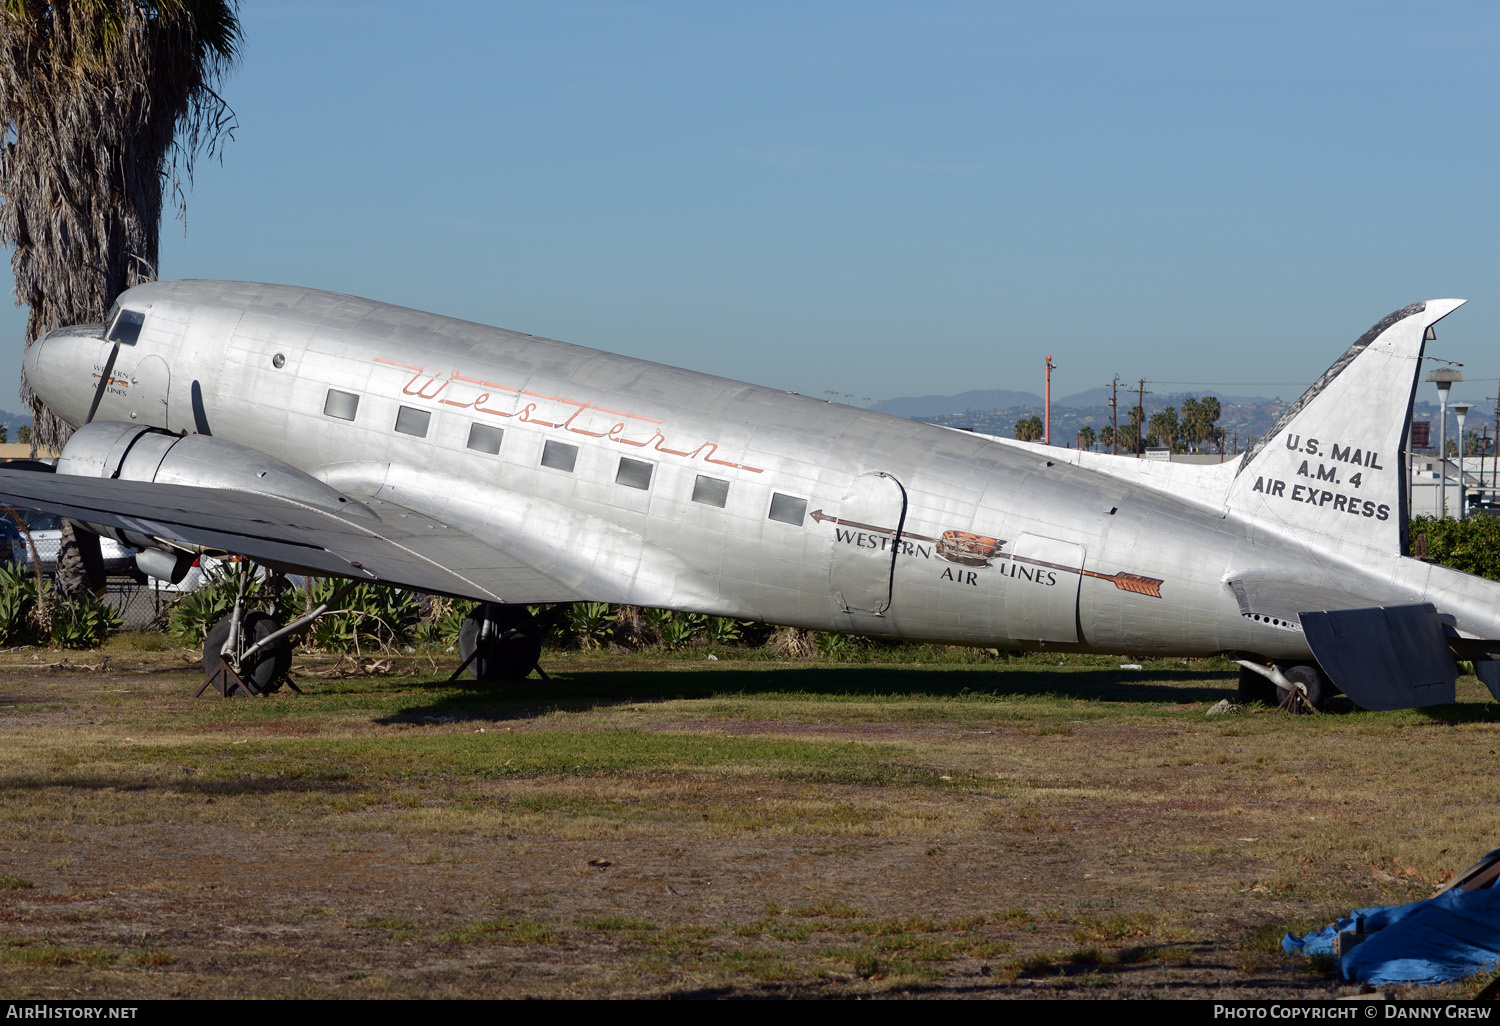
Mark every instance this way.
x=132 y=452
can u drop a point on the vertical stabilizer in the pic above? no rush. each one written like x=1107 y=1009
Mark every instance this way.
x=1333 y=466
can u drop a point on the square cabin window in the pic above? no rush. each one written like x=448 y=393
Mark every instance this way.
x=634 y=473
x=342 y=405
x=412 y=422
x=787 y=508
x=560 y=456
x=485 y=438
x=711 y=491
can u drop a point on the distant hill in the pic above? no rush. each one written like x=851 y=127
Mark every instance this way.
x=996 y=411
x=923 y=407
x=932 y=407
x=1100 y=397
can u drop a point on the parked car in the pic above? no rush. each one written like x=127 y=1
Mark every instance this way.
x=46 y=536
x=205 y=568
x=12 y=545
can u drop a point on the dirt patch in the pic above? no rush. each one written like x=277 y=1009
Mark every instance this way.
x=1101 y=859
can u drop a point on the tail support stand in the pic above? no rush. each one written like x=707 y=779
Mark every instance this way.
x=226 y=676
x=231 y=672
x=227 y=681
x=503 y=642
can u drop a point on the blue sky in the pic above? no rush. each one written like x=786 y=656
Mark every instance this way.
x=876 y=199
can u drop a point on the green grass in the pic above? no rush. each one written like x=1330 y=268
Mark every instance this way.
x=507 y=930
x=43 y=952
x=771 y=829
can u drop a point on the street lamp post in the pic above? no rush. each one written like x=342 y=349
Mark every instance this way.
x=1461 y=410
x=1443 y=378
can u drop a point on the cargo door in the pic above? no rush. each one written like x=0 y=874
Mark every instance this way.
x=867 y=535
x=1041 y=589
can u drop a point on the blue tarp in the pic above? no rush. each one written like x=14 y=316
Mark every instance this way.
x=1448 y=937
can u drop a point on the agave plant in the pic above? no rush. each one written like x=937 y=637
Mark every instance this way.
x=32 y=612
x=721 y=630
x=369 y=616
x=591 y=623
x=680 y=629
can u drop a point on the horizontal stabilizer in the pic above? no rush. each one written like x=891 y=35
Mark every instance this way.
x=1384 y=657
x=1488 y=670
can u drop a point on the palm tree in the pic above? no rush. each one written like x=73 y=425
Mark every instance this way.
x=1029 y=429
x=1165 y=428
x=105 y=104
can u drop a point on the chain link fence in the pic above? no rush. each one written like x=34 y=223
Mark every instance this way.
x=141 y=606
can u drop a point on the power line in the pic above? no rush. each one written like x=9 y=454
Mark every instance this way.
x=1277 y=384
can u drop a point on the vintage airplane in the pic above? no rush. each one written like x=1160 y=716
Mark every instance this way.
x=340 y=436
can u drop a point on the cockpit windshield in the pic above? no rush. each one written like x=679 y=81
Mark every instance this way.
x=109 y=319
x=125 y=328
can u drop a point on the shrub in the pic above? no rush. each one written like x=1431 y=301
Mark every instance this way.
x=721 y=630
x=1471 y=545
x=33 y=612
x=591 y=624
x=679 y=630
x=83 y=621
x=442 y=619
x=195 y=613
x=369 y=615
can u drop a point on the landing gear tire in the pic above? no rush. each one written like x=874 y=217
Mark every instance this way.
x=269 y=668
x=1314 y=688
x=505 y=642
x=1255 y=688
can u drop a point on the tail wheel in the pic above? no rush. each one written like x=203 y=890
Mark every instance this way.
x=1313 y=688
x=505 y=642
x=1255 y=688
x=268 y=668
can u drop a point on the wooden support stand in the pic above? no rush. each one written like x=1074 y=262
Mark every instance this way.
x=227 y=681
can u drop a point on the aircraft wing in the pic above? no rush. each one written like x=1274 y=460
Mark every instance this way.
x=396 y=546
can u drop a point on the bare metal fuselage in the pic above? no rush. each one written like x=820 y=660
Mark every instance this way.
x=881 y=526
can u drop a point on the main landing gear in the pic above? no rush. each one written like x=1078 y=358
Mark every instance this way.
x=500 y=644
x=228 y=667
x=246 y=653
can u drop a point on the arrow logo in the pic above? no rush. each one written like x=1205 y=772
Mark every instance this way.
x=969 y=549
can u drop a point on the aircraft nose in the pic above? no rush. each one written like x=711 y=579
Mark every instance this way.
x=31 y=364
x=57 y=367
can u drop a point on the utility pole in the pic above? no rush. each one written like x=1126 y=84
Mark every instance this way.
x=1484 y=448
x=1494 y=463
x=1140 y=415
x=1114 y=415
